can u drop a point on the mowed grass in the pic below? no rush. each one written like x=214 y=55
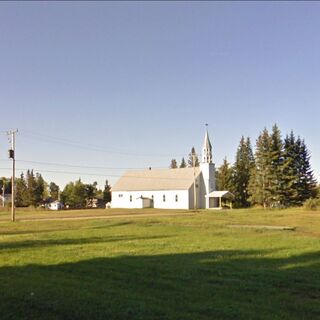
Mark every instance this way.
x=160 y=267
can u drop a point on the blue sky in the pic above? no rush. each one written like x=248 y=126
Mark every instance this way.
x=131 y=84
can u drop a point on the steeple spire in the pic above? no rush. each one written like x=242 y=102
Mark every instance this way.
x=207 y=148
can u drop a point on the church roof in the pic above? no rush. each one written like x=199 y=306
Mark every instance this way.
x=157 y=179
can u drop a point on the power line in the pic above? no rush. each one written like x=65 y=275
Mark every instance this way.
x=42 y=137
x=99 y=174
x=56 y=164
x=81 y=166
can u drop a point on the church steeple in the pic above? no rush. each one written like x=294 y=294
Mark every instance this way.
x=207 y=148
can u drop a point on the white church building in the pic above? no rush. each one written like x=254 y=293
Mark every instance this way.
x=181 y=188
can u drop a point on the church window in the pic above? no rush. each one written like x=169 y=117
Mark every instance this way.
x=176 y=198
x=120 y=195
x=164 y=198
x=130 y=198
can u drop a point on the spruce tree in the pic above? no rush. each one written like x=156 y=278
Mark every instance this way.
x=276 y=186
x=224 y=176
x=282 y=174
x=107 y=192
x=306 y=183
x=193 y=160
x=242 y=170
x=31 y=187
x=40 y=189
x=183 y=163
x=22 y=197
x=298 y=176
x=290 y=170
x=259 y=184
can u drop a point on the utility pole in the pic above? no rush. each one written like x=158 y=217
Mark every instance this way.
x=3 y=190
x=194 y=181
x=12 y=139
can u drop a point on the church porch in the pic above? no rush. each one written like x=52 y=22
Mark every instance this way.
x=220 y=199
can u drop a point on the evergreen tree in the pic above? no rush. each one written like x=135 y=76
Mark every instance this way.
x=290 y=170
x=259 y=184
x=193 y=160
x=31 y=187
x=299 y=182
x=224 y=176
x=173 y=164
x=107 y=192
x=183 y=163
x=306 y=183
x=22 y=197
x=282 y=174
x=40 y=189
x=276 y=187
x=242 y=170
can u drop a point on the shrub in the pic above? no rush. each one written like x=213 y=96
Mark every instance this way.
x=312 y=204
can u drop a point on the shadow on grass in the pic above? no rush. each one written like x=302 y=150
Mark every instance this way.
x=6 y=232
x=206 y=285
x=73 y=241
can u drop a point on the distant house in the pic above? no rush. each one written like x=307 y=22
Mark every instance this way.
x=55 y=205
x=181 y=188
x=96 y=203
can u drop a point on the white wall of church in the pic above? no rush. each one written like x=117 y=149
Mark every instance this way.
x=162 y=199
x=209 y=181
x=201 y=192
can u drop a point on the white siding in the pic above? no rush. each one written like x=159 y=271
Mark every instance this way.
x=122 y=199
x=208 y=174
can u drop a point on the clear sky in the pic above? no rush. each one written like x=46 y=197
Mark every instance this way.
x=131 y=84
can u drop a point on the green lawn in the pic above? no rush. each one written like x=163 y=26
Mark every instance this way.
x=160 y=267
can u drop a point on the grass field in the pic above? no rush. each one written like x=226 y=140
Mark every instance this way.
x=163 y=265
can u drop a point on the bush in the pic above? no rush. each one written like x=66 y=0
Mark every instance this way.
x=312 y=204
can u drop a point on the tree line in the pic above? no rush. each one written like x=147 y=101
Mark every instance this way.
x=33 y=190
x=277 y=174
x=192 y=161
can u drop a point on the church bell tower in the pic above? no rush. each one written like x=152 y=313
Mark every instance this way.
x=207 y=168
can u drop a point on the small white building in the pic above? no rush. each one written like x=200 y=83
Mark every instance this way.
x=55 y=205
x=183 y=188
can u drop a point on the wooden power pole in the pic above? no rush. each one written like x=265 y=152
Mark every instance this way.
x=194 y=182
x=12 y=137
